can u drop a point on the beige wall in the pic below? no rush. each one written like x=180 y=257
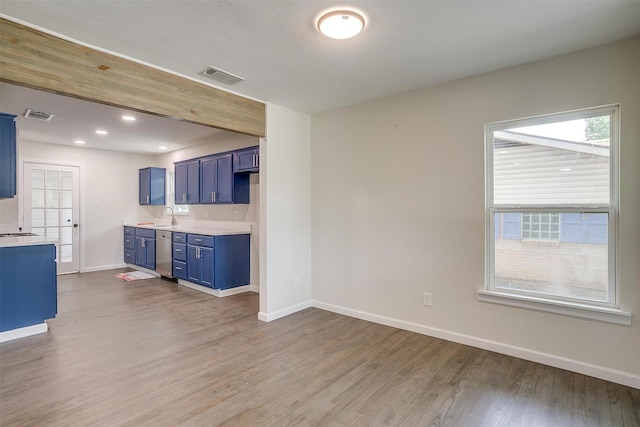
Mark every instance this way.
x=398 y=206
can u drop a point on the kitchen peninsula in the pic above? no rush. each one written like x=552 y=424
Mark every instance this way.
x=28 y=285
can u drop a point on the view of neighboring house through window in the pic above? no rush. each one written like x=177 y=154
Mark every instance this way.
x=171 y=188
x=552 y=205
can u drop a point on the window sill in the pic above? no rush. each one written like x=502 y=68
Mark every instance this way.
x=602 y=314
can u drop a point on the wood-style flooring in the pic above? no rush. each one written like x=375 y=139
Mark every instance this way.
x=152 y=353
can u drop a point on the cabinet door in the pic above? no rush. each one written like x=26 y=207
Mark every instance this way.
x=224 y=179
x=206 y=266
x=247 y=160
x=180 y=181
x=7 y=156
x=150 y=260
x=141 y=251
x=144 y=186
x=216 y=178
x=187 y=182
x=193 y=264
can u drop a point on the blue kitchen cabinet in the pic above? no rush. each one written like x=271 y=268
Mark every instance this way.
x=28 y=286
x=216 y=179
x=130 y=245
x=7 y=156
x=145 y=250
x=152 y=186
x=187 y=182
x=218 y=262
x=179 y=258
x=246 y=160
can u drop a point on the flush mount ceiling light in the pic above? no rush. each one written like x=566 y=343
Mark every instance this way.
x=341 y=24
x=101 y=132
x=128 y=118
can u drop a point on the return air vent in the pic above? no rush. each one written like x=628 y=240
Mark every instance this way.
x=220 y=76
x=38 y=115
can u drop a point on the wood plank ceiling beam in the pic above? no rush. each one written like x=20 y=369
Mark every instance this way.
x=38 y=60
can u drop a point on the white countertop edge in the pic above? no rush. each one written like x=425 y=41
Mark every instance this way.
x=8 y=242
x=212 y=229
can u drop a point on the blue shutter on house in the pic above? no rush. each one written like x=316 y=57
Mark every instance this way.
x=584 y=228
x=512 y=226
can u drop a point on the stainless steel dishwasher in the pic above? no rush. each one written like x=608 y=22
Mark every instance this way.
x=164 y=253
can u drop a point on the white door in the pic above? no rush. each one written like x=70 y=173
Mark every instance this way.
x=51 y=209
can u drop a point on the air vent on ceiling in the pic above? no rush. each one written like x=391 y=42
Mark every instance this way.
x=38 y=115
x=221 y=76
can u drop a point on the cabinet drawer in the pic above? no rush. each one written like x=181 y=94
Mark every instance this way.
x=180 y=237
x=200 y=240
x=129 y=256
x=145 y=232
x=129 y=242
x=180 y=251
x=179 y=269
x=131 y=231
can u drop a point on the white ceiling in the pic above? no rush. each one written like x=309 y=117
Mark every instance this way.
x=274 y=45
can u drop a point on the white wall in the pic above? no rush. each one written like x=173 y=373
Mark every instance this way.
x=285 y=252
x=108 y=177
x=398 y=209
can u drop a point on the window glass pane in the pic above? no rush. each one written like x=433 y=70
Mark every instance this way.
x=38 y=231
x=66 y=234
x=557 y=163
x=37 y=178
x=53 y=232
x=53 y=198
x=66 y=217
x=37 y=218
x=66 y=179
x=53 y=179
x=572 y=262
x=53 y=218
x=37 y=198
x=66 y=199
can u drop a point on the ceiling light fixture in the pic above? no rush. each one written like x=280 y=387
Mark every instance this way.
x=101 y=132
x=129 y=118
x=341 y=24
x=162 y=147
x=79 y=141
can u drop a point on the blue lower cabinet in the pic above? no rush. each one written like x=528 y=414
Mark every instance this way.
x=28 y=286
x=145 y=248
x=179 y=269
x=218 y=262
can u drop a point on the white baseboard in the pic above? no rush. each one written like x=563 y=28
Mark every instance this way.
x=27 y=331
x=220 y=293
x=103 y=267
x=620 y=377
x=268 y=317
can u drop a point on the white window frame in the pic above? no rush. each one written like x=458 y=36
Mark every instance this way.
x=608 y=311
x=178 y=210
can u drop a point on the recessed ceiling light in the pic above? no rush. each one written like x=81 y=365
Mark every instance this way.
x=341 y=24
x=101 y=132
x=79 y=141
x=162 y=148
x=129 y=118
x=565 y=169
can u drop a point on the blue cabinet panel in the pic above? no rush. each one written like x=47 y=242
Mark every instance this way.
x=152 y=186
x=232 y=261
x=179 y=251
x=179 y=269
x=216 y=179
x=28 y=286
x=7 y=156
x=246 y=160
x=187 y=182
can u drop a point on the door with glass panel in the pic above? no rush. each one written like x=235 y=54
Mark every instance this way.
x=51 y=209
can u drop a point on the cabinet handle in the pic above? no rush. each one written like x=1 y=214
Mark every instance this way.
x=143 y=243
x=184 y=197
x=213 y=196
x=198 y=240
x=147 y=198
x=178 y=250
x=178 y=268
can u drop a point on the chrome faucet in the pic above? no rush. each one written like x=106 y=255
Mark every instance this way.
x=173 y=218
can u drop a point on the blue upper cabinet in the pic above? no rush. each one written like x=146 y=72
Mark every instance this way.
x=7 y=156
x=152 y=186
x=217 y=180
x=246 y=160
x=187 y=182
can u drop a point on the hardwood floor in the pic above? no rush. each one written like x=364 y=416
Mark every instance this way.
x=152 y=353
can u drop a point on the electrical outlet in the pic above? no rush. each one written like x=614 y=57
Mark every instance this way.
x=427 y=299
x=236 y=213
x=296 y=282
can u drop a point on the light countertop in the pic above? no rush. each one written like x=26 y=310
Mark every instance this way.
x=6 y=242
x=209 y=228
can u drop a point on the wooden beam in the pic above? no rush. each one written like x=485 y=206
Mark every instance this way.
x=37 y=60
